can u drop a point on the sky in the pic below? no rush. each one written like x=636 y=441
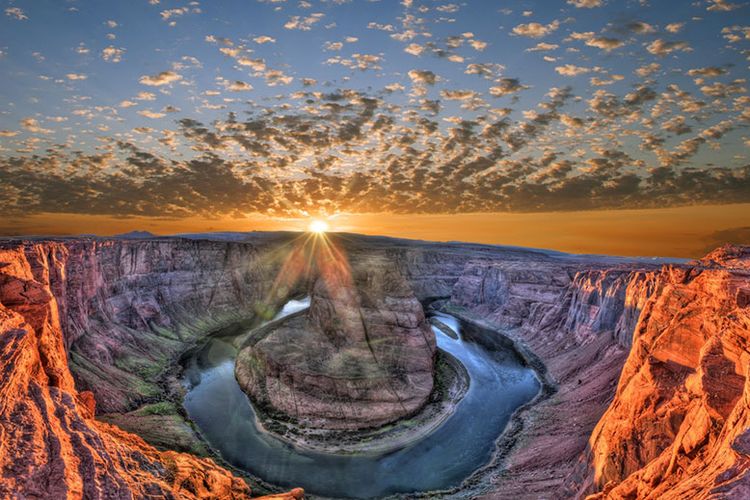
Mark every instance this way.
x=582 y=125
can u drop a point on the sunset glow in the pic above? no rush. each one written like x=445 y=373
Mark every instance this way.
x=255 y=114
x=318 y=226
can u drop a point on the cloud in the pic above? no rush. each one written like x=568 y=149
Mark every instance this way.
x=76 y=76
x=414 y=49
x=639 y=27
x=674 y=27
x=604 y=43
x=151 y=114
x=543 y=47
x=458 y=95
x=721 y=90
x=16 y=13
x=647 y=69
x=585 y=4
x=301 y=160
x=536 y=30
x=572 y=70
x=361 y=62
x=32 y=125
x=264 y=39
x=722 y=6
x=303 y=23
x=333 y=46
x=506 y=86
x=276 y=77
x=237 y=86
x=422 y=77
x=709 y=71
x=112 y=54
x=159 y=79
x=478 y=45
x=662 y=48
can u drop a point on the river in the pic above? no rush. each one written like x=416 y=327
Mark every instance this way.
x=500 y=383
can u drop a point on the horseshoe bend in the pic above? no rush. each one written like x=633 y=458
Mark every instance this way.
x=342 y=365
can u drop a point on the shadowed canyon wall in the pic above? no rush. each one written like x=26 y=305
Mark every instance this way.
x=114 y=313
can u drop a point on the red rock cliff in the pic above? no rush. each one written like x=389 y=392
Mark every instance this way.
x=679 y=426
x=50 y=444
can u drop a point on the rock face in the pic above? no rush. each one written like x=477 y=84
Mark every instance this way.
x=679 y=425
x=363 y=356
x=51 y=445
x=128 y=308
x=573 y=320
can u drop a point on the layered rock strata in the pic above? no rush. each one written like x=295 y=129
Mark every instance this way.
x=361 y=357
x=50 y=444
x=679 y=425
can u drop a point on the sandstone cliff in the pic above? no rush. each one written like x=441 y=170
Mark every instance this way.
x=679 y=425
x=128 y=308
x=50 y=444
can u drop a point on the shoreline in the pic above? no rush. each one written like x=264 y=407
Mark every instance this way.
x=476 y=483
x=391 y=437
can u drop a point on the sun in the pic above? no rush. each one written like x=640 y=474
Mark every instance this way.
x=318 y=226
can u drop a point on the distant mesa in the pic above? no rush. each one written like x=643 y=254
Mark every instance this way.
x=135 y=235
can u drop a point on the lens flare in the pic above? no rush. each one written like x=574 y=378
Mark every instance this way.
x=318 y=226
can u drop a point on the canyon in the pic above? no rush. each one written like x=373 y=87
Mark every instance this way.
x=643 y=363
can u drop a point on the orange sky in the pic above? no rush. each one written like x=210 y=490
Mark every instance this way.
x=675 y=232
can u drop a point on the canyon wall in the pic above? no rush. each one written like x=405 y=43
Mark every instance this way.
x=572 y=319
x=128 y=308
x=679 y=425
x=647 y=375
x=116 y=313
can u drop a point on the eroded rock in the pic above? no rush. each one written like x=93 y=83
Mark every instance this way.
x=50 y=444
x=361 y=357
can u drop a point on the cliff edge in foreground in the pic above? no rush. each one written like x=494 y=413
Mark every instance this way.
x=679 y=425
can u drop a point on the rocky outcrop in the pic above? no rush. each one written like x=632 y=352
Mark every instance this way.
x=363 y=356
x=50 y=444
x=679 y=425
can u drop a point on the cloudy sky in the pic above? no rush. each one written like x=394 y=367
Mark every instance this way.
x=251 y=113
